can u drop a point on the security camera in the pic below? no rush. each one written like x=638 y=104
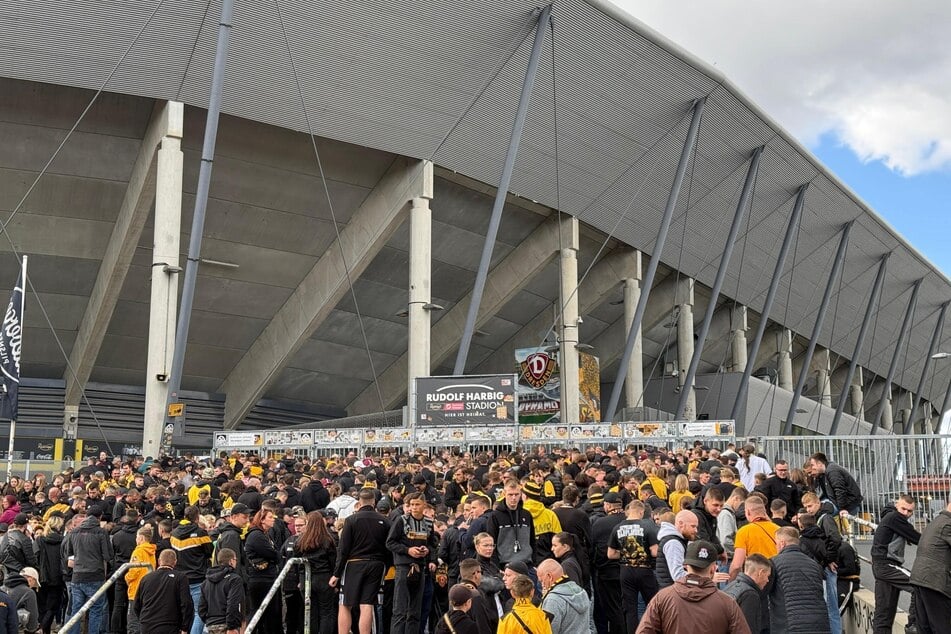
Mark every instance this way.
x=162 y=378
x=73 y=418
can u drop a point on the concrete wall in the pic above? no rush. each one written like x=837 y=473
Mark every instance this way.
x=858 y=618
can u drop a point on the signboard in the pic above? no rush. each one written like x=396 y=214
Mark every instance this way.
x=176 y=409
x=465 y=400
x=289 y=438
x=239 y=439
x=539 y=387
x=707 y=428
x=387 y=435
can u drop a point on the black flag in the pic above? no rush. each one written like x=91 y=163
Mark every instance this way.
x=11 y=339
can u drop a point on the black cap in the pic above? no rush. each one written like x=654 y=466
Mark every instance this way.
x=459 y=594
x=419 y=478
x=95 y=511
x=518 y=566
x=240 y=508
x=20 y=519
x=700 y=554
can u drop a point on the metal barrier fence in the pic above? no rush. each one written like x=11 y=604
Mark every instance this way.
x=26 y=469
x=884 y=466
x=124 y=568
x=276 y=586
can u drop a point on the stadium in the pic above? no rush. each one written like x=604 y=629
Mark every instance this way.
x=358 y=156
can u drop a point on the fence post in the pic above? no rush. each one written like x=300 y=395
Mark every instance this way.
x=307 y=606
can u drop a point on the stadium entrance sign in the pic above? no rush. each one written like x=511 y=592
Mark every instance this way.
x=466 y=400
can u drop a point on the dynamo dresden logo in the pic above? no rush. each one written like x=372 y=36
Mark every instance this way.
x=537 y=368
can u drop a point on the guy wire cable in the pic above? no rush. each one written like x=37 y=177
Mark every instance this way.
x=191 y=54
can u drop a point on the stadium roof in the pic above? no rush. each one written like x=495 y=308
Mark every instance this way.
x=440 y=80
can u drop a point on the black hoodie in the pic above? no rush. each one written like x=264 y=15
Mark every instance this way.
x=315 y=496
x=894 y=530
x=222 y=594
x=123 y=541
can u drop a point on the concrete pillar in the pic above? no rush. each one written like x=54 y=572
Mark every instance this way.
x=785 y=368
x=904 y=410
x=634 y=383
x=856 y=394
x=163 y=304
x=685 y=343
x=420 y=292
x=568 y=357
x=738 y=327
x=888 y=418
x=822 y=368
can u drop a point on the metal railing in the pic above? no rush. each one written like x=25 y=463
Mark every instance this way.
x=884 y=466
x=850 y=533
x=259 y=613
x=124 y=568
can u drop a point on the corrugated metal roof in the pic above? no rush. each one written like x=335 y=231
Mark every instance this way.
x=440 y=80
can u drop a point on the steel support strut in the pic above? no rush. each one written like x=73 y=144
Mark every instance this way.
x=770 y=298
x=201 y=204
x=689 y=143
x=860 y=342
x=738 y=217
x=496 y=219
x=903 y=333
x=817 y=327
x=932 y=348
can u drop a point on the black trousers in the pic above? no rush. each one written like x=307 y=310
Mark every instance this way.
x=120 y=607
x=51 y=600
x=271 y=620
x=934 y=611
x=293 y=611
x=634 y=582
x=890 y=580
x=607 y=601
x=323 y=605
x=407 y=600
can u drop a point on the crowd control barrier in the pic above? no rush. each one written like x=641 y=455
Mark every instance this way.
x=276 y=586
x=124 y=568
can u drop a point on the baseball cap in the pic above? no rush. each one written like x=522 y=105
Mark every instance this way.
x=459 y=594
x=4 y=527
x=240 y=508
x=20 y=519
x=700 y=554
x=30 y=571
x=612 y=498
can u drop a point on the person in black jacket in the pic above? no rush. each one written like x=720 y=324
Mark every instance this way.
x=362 y=558
x=263 y=563
x=88 y=555
x=458 y=620
x=747 y=591
x=16 y=549
x=797 y=591
x=314 y=496
x=834 y=483
x=222 y=596
x=9 y=621
x=230 y=535
x=888 y=558
x=163 y=603
x=484 y=610
x=123 y=543
x=413 y=542
x=779 y=487
x=316 y=545
x=293 y=581
x=193 y=546
x=930 y=575
x=52 y=586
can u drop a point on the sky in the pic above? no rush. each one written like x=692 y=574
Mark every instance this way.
x=866 y=86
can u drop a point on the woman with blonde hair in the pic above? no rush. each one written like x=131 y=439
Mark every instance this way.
x=681 y=492
x=50 y=563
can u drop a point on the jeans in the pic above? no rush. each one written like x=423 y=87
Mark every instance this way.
x=79 y=593
x=832 y=601
x=197 y=626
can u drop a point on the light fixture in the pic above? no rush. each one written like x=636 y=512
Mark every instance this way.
x=432 y=307
x=480 y=333
x=226 y=265
x=168 y=268
x=584 y=347
x=402 y=313
x=941 y=355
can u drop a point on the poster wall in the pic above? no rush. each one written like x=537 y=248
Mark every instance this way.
x=539 y=387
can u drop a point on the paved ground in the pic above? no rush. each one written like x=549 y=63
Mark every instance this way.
x=864 y=549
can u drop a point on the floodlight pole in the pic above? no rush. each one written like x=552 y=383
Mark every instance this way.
x=689 y=143
x=903 y=333
x=791 y=226
x=738 y=217
x=932 y=348
x=198 y=218
x=817 y=327
x=482 y=274
x=860 y=342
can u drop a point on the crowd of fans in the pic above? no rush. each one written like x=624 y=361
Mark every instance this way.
x=636 y=540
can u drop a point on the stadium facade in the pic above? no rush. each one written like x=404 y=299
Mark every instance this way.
x=322 y=286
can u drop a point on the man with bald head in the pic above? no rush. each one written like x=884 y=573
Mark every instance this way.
x=564 y=600
x=672 y=538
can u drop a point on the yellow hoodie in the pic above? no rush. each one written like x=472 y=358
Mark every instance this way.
x=534 y=619
x=144 y=552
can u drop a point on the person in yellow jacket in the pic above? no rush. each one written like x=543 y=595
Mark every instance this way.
x=144 y=553
x=547 y=524
x=524 y=617
x=660 y=487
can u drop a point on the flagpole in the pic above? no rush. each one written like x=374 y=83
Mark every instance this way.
x=6 y=393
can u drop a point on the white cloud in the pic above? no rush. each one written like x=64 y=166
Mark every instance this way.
x=877 y=75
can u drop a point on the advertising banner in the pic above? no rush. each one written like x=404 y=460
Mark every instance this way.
x=289 y=438
x=465 y=400
x=539 y=387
